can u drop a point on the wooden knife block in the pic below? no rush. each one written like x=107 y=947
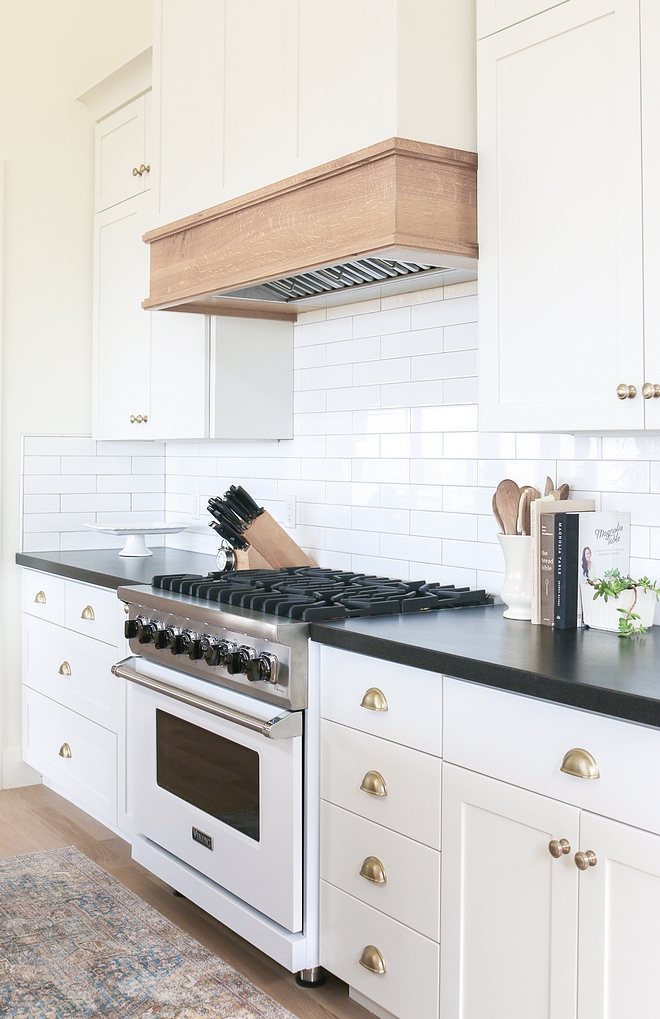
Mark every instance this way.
x=272 y=543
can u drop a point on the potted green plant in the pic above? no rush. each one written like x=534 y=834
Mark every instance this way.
x=620 y=604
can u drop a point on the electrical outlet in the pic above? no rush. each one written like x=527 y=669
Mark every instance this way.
x=290 y=511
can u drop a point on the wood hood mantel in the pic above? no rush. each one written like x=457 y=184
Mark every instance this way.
x=397 y=200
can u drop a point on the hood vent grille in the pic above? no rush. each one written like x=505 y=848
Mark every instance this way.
x=336 y=277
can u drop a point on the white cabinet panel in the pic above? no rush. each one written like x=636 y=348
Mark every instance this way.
x=43 y=596
x=619 y=922
x=650 y=34
x=92 y=611
x=409 y=986
x=121 y=327
x=121 y=148
x=494 y=15
x=178 y=379
x=411 y=804
x=560 y=231
x=414 y=698
x=509 y=909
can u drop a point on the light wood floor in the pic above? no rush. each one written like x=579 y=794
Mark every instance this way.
x=34 y=818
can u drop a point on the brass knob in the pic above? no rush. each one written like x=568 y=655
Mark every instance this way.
x=132 y=419
x=374 y=700
x=144 y=419
x=625 y=392
x=558 y=849
x=88 y=613
x=65 y=751
x=64 y=669
x=580 y=763
x=373 y=870
x=374 y=784
x=40 y=598
x=126 y=608
x=585 y=860
x=650 y=391
x=138 y=171
x=372 y=959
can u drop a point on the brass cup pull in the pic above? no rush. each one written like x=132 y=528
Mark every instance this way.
x=374 y=784
x=560 y=848
x=585 y=860
x=88 y=613
x=374 y=700
x=625 y=392
x=40 y=598
x=580 y=763
x=64 y=669
x=65 y=751
x=372 y=959
x=650 y=391
x=373 y=870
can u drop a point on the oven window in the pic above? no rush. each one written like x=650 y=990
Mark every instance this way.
x=213 y=773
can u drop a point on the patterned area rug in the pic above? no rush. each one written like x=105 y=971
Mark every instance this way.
x=75 y=942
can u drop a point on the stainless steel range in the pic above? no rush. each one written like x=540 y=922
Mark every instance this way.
x=224 y=738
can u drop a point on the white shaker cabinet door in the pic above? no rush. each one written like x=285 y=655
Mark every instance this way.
x=650 y=15
x=494 y=15
x=121 y=327
x=619 y=944
x=122 y=160
x=178 y=377
x=509 y=909
x=560 y=220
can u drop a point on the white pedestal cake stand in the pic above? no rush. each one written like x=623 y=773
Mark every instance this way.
x=135 y=535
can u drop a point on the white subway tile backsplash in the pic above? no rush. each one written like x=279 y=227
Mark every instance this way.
x=328 y=423
x=309 y=357
x=410 y=546
x=326 y=332
x=444 y=419
x=461 y=337
x=35 y=484
x=355 y=398
x=444 y=313
x=148 y=464
x=41 y=542
x=347 y=540
x=130 y=483
x=444 y=525
x=414 y=497
x=412 y=394
x=59 y=445
x=379 y=421
x=351 y=494
x=381 y=470
x=326 y=469
x=41 y=464
x=397 y=569
x=423 y=341
x=149 y=502
x=456 y=364
x=56 y=521
x=382 y=322
x=443 y=472
x=308 y=402
x=41 y=504
x=332 y=376
x=461 y=391
x=366 y=446
x=96 y=503
x=366 y=518
x=350 y=351
x=396 y=369
x=96 y=465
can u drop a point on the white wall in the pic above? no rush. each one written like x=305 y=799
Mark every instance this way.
x=49 y=53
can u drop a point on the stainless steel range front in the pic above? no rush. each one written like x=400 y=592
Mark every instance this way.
x=224 y=738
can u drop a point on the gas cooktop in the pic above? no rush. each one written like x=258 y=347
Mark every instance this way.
x=315 y=594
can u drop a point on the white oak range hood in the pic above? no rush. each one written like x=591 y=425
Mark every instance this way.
x=400 y=214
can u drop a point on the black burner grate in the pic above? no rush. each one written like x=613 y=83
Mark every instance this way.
x=315 y=594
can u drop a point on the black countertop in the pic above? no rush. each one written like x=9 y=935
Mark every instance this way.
x=588 y=669
x=106 y=568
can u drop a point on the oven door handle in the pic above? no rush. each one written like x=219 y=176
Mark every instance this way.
x=283 y=726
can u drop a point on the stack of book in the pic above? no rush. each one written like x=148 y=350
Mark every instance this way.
x=572 y=544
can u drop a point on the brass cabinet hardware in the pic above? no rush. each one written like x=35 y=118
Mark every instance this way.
x=372 y=959
x=650 y=391
x=138 y=171
x=65 y=751
x=580 y=763
x=560 y=848
x=40 y=598
x=373 y=870
x=625 y=392
x=139 y=419
x=64 y=669
x=585 y=860
x=144 y=419
x=88 y=613
x=132 y=419
x=374 y=700
x=374 y=784
x=126 y=608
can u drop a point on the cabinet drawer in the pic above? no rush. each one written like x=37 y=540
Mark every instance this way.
x=90 y=773
x=43 y=596
x=92 y=611
x=71 y=669
x=411 y=890
x=409 y=986
x=523 y=741
x=411 y=804
x=412 y=698
x=494 y=15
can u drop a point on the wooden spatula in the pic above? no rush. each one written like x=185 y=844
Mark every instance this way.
x=549 y=486
x=496 y=513
x=507 y=499
x=524 y=510
x=561 y=492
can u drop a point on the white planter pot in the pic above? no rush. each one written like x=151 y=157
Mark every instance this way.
x=517 y=587
x=604 y=615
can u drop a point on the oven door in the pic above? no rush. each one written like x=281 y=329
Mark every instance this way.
x=216 y=793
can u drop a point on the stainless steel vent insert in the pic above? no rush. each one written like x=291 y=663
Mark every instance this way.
x=361 y=272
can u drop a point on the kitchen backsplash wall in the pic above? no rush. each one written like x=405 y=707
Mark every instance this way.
x=71 y=480
x=389 y=472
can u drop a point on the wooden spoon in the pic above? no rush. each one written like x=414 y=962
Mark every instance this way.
x=507 y=499
x=524 y=510
x=534 y=491
x=496 y=513
x=549 y=486
x=561 y=492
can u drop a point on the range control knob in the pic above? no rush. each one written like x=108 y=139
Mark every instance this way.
x=238 y=662
x=197 y=647
x=161 y=640
x=218 y=652
x=130 y=629
x=263 y=669
x=146 y=632
x=175 y=641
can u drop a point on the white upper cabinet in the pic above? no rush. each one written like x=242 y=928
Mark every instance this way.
x=650 y=34
x=247 y=93
x=560 y=220
x=494 y=15
x=122 y=158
